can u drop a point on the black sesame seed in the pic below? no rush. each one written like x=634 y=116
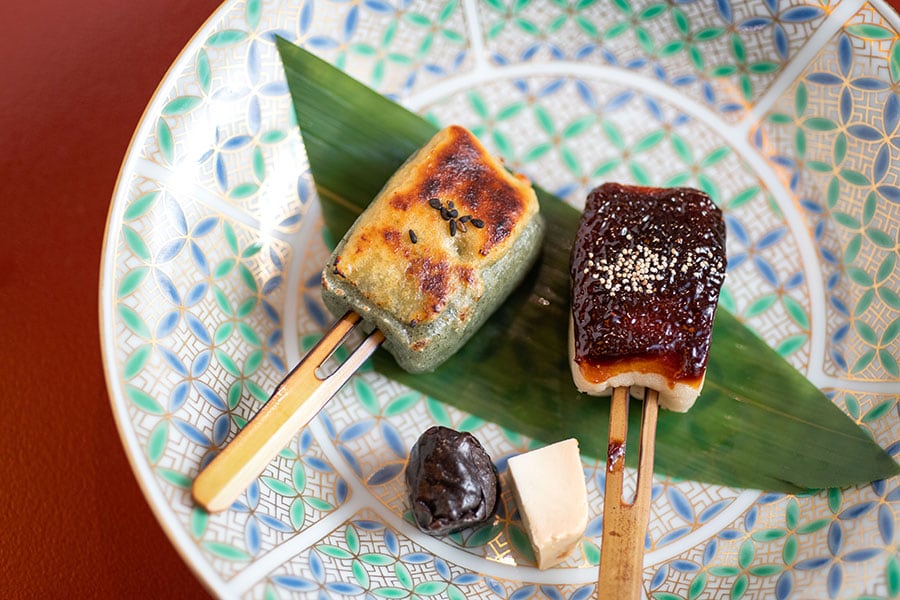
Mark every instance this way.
x=413 y=237
x=478 y=223
x=465 y=218
x=452 y=228
x=450 y=204
x=445 y=214
x=453 y=213
x=435 y=203
x=461 y=226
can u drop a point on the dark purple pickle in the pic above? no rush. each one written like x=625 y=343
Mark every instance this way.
x=453 y=484
x=647 y=266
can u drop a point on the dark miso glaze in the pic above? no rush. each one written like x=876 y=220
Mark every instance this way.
x=626 y=316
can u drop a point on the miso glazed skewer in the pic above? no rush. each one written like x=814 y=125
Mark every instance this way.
x=435 y=253
x=647 y=267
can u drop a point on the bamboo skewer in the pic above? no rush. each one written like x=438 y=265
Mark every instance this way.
x=625 y=523
x=296 y=400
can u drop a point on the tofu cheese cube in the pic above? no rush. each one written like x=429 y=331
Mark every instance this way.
x=550 y=490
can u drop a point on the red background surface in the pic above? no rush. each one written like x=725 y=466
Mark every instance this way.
x=76 y=78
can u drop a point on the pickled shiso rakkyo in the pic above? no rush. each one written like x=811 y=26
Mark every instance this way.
x=452 y=482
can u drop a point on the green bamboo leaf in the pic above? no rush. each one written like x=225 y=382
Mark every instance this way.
x=515 y=372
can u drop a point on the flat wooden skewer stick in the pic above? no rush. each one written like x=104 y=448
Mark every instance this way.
x=296 y=400
x=625 y=523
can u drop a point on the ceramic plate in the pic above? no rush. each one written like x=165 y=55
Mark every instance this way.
x=786 y=113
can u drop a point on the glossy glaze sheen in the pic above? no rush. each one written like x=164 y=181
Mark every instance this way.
x=647 y=266
x=452 y=482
